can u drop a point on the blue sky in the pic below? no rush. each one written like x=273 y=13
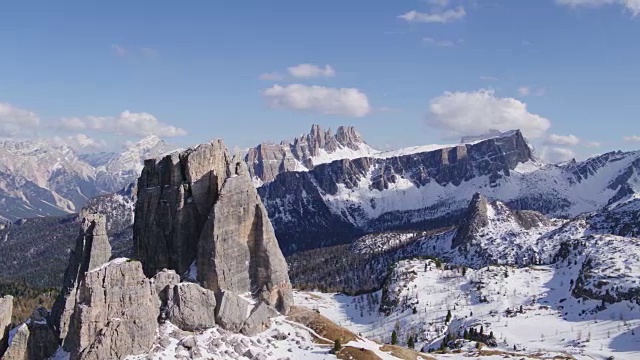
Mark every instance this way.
x=403 y=72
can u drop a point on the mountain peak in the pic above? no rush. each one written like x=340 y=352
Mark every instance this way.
x=492 y=133
x=148 y=142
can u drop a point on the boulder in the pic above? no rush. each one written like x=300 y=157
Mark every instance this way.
x=92 y=249
x=259 y=320
x=191 y=307
x=232 y=311
x=6 y=311
x=33 y=340
x=163 y=282
x=238 y=250
x=116 y=313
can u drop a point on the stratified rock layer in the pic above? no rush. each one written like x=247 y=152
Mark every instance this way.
x=91 y=251
x=116 y=313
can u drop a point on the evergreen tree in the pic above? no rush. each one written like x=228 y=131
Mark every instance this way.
x=465 y=334
x=448 y=319
x=481 y=330
x=411 y=343
x=394 y=338
x=337 y=346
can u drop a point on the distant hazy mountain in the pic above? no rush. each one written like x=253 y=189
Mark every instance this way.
x=38 y=178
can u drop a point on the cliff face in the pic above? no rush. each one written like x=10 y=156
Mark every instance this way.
x=200 y=209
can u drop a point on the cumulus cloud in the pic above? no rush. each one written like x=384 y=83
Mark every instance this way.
x=562 y=140
x=80 y=142
x=556 y=155
x=303 y=71
x=477 y=112
x=127 y=123
x=437 y=15
x=324 y=100
x=632 y=139
x=633 y=6
x=16 y=121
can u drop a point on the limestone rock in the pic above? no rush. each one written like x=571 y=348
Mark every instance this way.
x=259 y=320
x=92 y=249
x=191 y=307
x=33 y=340
x=163 y=282
x=175 y=196
x=6 y=311
x=232 y=311
x=116 y=313
x=238 y=250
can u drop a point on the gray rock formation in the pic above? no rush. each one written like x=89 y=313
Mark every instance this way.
x=216 y=217
x=33 y=340
x=91 y=251
x=191 y=307
x=238 y=250
x=232 y=311
x=259 y=320
x=175 y=196
x=116 y=313
x=267 y=160
x=6 y=311
x=163 y=282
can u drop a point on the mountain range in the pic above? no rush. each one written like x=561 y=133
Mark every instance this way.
x=38 y=178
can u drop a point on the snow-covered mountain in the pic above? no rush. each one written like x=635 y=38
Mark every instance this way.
x=38 y=178
x=267 y=160
x=334 y=202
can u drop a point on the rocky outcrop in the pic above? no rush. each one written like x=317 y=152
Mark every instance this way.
x=116 y=313
x=217 y=218
x=238 y=250
x=175 y=197
x=191 y=307
x=164 y=282
x=33 y=340
x=91 y=251
x=6 y=311
x=475 y=219
x=267 y=160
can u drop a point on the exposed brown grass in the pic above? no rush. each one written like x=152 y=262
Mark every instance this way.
x=321 y=325
x=404 y=353
x=351 y=353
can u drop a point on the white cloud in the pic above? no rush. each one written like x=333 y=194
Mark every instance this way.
x=80 y=142
x=435 y=16
x=592 y=144
x=16 y=121
x=527 y=90
x=272 y=76
x=633 y=6
x=324 y=100
x=556 y=155
x=562 y=140
x=524 y=90
x=439 y=43
x=303 y=71
x=632 y=139
x=127 y=123
x=475 y=113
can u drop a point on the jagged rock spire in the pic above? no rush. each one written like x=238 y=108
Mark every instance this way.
x=6 y=311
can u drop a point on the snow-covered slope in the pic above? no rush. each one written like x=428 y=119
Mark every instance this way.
x=528 y=310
